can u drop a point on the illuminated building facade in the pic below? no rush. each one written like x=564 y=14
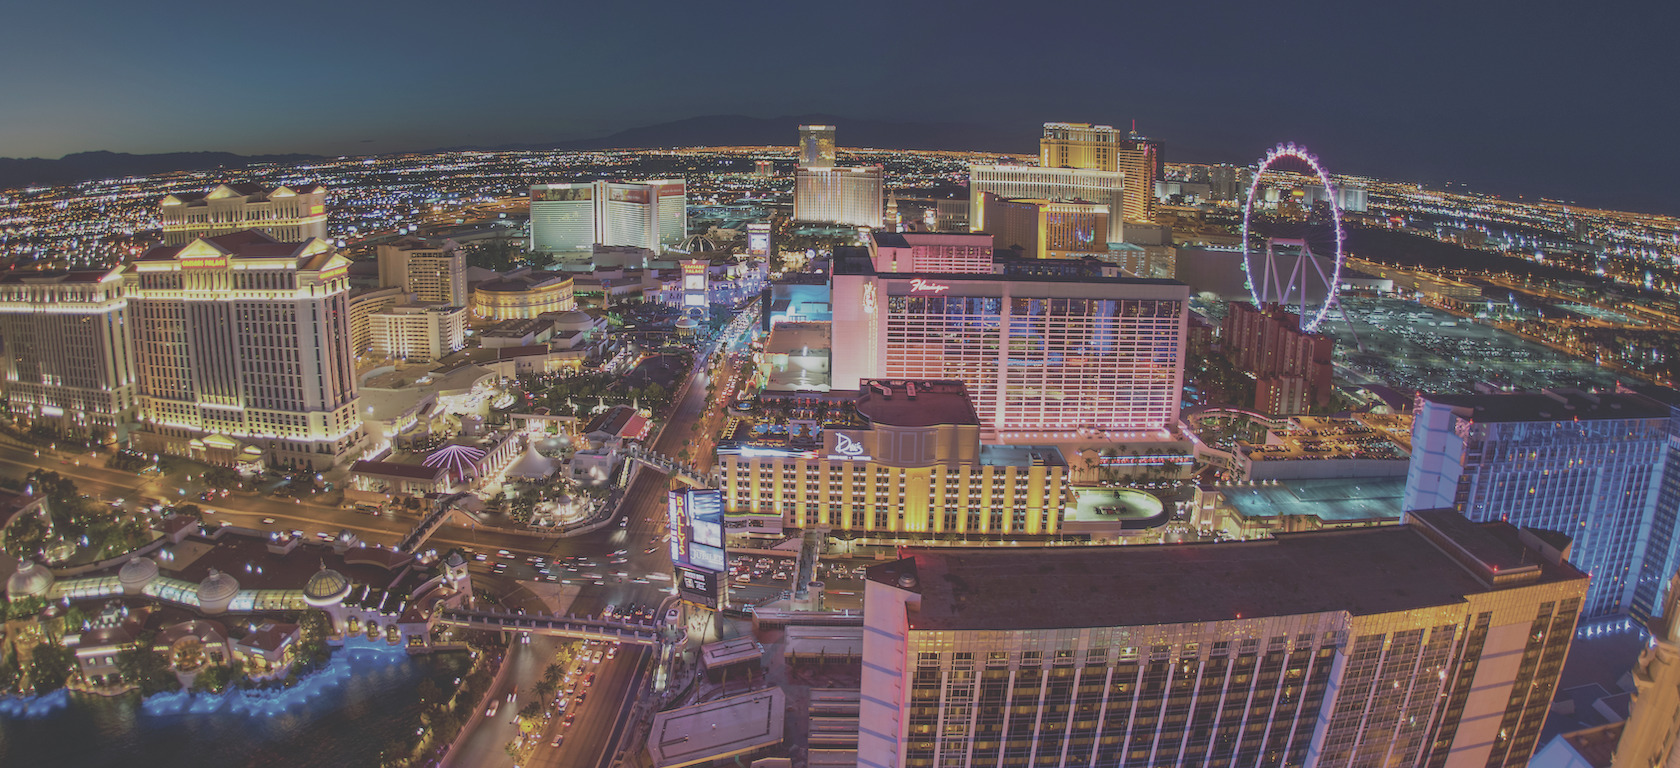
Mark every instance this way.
x=1063 y=185
x=418 y=332
x=892 y=458
x=1292 y=370
x=436 y=273
x=1045 y=229
x=935 y=252
x=242 y=344
x=1101 y=147
x=522 y=295
x=758 y=240
x=695 y=301
x=578 y=216
x=1043 y=358
x=849 y=196
x=290 y=214
x=816 y=146
x=1590 y=465
x=66 y=361
x=363 y=306
x=1293 y=651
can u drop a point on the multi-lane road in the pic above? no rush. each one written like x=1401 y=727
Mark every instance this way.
x=636 y=544
x=602 y=721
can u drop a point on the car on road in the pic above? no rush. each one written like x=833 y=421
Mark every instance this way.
x=268 y=521
x=567 y=723
x=494 y=705
x=556 y=742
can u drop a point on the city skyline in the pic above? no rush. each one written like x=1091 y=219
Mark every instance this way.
x=1472 y=96
x=808 y=416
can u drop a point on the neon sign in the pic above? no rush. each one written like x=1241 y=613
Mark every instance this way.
x=869 y=298
x=919 y=285
x=209 y=262
x=846 y=446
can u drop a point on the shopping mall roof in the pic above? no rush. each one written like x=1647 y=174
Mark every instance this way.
x=1338 y=499
x=899 y=403
x=1363 y=571
x=793 y=337
x=718 y=729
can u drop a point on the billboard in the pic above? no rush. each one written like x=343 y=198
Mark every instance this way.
x=758 y=240
x=699 y=586
x=695 y=517
x=562 y=193
x=696 y=523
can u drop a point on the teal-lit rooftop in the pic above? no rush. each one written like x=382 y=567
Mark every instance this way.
x=1330 y=500
x=1021 y=455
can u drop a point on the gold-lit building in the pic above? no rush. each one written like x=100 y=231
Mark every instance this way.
x=67 y=365
x=1438 y=643
x=1046 y=229
x=435 y=272
x=893 y=458
x=363 y=306
x=242 y=349
x=523 y=295
x=1101 y=147
x=290 y=214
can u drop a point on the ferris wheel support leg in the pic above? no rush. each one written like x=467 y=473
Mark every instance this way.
x=1358 y=342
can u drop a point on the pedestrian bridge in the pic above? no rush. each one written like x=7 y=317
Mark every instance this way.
x=684 y=472
x=557 y=626
x=429 y=524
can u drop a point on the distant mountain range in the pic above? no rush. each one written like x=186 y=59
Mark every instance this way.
x=740 y=130
x=708 y=131
x=39 y=171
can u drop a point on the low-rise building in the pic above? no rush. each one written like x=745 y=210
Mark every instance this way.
x=894 y=458
x=418 y=332
x=522 y=295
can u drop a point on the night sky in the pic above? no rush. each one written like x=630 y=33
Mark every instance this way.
x=1576 y=101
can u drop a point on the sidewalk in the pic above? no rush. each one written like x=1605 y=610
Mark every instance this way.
x=478 y=712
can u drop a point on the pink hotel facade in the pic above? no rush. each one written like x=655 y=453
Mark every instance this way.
x=1043 y=358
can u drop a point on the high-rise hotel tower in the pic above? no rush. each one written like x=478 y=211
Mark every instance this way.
x=286 y=213
x=824 y=192
x=1435 y=644
x=242 y=348
x=64 y=352
x=1600 y=467
x=575 y=217
x=1101 y=147
x=1043 y=358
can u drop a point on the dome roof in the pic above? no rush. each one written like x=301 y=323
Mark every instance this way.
x=137 y=572
x=31 y=580
x=573 y=320
x=326 y=587
x=697 y=244
x=217 y=587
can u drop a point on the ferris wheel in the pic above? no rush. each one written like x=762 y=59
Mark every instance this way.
x=1287 y=271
